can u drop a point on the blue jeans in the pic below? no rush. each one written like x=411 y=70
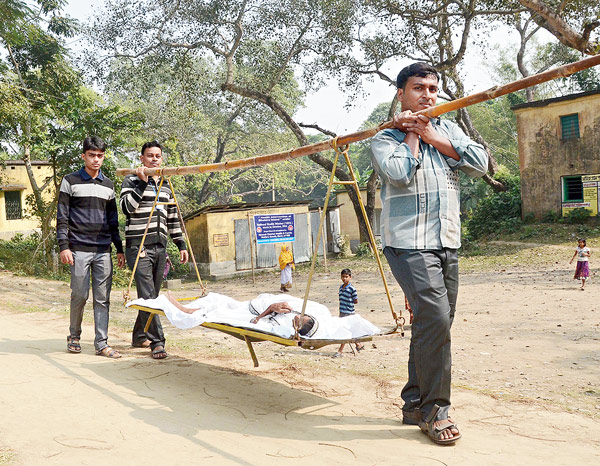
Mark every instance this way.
x=429 y=279
x=99 y=265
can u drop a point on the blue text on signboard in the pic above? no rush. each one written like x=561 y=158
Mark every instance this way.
x=276 y=228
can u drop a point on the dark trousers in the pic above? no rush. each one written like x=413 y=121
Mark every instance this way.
x=429 y=279
x=148 y=279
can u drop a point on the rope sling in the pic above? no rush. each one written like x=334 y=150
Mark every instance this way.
x=252 y=336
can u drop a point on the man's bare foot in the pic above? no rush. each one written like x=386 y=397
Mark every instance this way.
x=145 y=344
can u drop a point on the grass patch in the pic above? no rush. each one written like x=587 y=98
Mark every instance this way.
x=29 y=309
x=6 y=457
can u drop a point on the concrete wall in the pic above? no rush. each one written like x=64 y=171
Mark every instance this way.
x=544 y=157
x=348 y=220
x=13 y=175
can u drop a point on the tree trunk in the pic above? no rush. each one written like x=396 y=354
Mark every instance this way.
x=42 y=211
x=464 y=121
x=372 y=185
x=324 y=162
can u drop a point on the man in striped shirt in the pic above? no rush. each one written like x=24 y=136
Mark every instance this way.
x=86 y=224
x=418 y=162
x=137 y=197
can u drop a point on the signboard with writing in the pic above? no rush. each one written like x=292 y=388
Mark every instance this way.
x=586 y=178
x=221 y=239
x=590 y=185
x=275 y=228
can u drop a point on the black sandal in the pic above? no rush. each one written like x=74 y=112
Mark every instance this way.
x=159 y=353
x=73 y=345
x=434 y=432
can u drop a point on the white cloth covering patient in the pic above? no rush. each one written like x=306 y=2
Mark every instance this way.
x=218 y=308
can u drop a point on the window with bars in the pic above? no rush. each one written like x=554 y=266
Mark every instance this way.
x=12 y=204
x=572 y=189
x=569 y=126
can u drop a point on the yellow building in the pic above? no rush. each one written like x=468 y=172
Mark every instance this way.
x=348 y=219
x=220 y=237
x=559 y=151
x=14 y=189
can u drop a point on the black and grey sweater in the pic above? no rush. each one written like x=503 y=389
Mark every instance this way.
x=87 y=217
x=136 y=201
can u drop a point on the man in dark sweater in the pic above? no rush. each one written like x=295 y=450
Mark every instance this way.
x=137 y=196
x=87 y=223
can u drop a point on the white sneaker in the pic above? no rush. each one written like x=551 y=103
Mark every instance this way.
x=337 y=355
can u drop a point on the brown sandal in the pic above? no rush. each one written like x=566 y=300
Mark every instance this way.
x=434 y=432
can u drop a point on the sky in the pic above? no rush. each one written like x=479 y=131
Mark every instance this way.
x=327 y=106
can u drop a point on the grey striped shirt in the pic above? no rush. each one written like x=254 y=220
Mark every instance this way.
x=420 y=197
x=136 y=201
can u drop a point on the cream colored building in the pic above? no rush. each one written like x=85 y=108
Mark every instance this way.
x=14 y=189
x=559 y=151
x=348 y=220
x=220 y=237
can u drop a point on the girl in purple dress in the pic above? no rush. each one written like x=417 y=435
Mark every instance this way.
x=582 y=272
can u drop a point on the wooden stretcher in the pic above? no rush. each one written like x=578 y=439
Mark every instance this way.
x=254 y=336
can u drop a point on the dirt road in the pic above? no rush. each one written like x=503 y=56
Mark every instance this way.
x=526 y=384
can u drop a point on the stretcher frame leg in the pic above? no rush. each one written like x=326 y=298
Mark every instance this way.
x=148 y=322
x=251 y=349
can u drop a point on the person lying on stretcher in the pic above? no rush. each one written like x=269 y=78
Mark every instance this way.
x=303 y=324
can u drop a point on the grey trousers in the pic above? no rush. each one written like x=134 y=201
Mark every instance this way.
x=429 y=279
x=148 y=279
x=100 y=267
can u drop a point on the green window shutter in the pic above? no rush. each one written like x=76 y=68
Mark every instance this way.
x=572 y=189
x=12 y=202
x=569 y=125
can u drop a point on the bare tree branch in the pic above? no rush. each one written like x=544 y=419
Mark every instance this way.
x=557 y=26
x=318 y=128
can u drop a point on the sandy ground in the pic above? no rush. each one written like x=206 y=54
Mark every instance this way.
x=526 y=383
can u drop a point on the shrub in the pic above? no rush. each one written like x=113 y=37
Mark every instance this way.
x=577 y=216
x=550 y=217
x=179 y=270
x=364 y=250
x=500 y=212
x=19 y=254
x=529 y=218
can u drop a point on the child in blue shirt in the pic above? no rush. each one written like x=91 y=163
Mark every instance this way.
x=348 y=298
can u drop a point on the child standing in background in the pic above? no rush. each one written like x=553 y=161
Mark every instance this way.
x=583 y=269
x=348 y=298
x=286 y=263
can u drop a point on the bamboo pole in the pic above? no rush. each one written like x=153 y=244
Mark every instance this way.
x=324 y=233
x=492 y=93
x=251 y=247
